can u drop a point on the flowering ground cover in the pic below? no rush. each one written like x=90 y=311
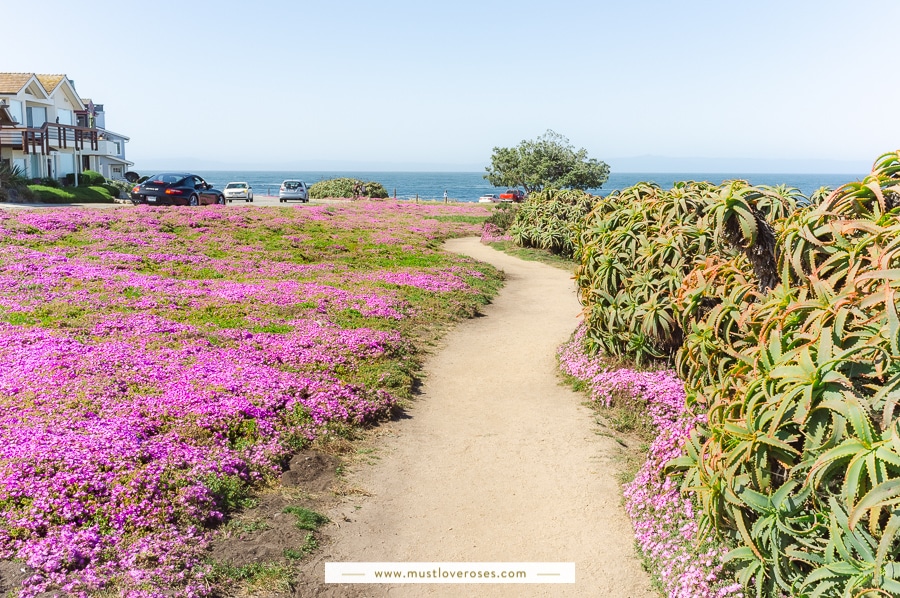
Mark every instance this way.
x=684 y=561
x=158 y=363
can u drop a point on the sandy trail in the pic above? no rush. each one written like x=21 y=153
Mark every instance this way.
x=498 y=462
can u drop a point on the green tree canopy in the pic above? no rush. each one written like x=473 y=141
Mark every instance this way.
x=548 y=161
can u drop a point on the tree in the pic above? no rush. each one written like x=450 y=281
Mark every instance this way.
x=548 y=161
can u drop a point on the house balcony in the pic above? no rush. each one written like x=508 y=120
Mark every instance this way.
x=50 y=136
x=105 y=148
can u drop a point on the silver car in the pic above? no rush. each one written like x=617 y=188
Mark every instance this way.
x=238 y=191
x=293 y=189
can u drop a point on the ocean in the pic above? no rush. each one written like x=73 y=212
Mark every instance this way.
x=469 y=186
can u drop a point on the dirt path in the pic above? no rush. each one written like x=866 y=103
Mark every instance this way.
x=498 y=461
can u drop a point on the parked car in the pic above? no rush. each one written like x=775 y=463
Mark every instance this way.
x=293 y=189
x=489 y=198
x=238 y=191
x=176 y=188
x=512 y=195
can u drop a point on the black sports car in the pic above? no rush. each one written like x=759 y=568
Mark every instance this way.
x=176 y=188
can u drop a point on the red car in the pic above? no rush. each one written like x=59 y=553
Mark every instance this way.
x=512 y=195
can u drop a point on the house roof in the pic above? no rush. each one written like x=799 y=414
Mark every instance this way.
x=114 y=134
x=119 y=160
x=5 y=117
x=50 y=81
x=13 y=82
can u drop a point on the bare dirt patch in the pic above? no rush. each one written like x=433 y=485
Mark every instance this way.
x=261 y=548
x=12 y=574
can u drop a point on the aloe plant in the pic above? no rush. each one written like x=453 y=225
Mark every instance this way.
x=780 y=314
x=547 y=220
x=799 y=461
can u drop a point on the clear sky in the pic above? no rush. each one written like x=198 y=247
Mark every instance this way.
x=415 y=84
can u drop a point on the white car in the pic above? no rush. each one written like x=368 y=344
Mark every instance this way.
x=293 y=189
x=238 y=191
x=489 y=198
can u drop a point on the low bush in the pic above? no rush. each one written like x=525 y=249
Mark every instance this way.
x=90 y=178
x=347 y=188
x=12 y=176
x=547 y=220
x=51 y=182
x=119 y=188
x=495 y=228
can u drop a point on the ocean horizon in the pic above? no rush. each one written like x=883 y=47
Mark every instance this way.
x=469 y=186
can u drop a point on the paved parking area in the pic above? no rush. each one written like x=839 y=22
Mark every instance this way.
x=258 y=200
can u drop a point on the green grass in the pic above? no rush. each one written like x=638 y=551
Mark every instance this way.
x=246 y=526
x=461 y=218
x=254 y=576
x=535 y=255
x=273 y=328
x=307 y=519
x=309 y=546
x=71 y=194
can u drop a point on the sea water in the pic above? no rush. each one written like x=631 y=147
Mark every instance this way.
x=469 y=186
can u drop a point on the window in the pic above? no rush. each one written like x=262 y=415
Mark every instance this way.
x=66 y=117
x=15 y=108
x=65 y=164
x=35 y=116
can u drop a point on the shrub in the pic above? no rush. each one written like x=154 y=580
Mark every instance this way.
x=11 y=176
x=547 y=220
x=89 y=178
x=800 y=459
x=503 y=215
x=346 y=187
x=119 y=188
x=636 y=247
x=784 y=327
x=50 y=182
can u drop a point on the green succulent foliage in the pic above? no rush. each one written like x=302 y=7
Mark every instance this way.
x=547 y=220
x=637 y=246
x=781 y=316
x=12 y=176
x=504 y=215
x=346 y=187
x=799 y=461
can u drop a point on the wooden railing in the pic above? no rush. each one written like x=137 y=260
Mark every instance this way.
x=33 y=140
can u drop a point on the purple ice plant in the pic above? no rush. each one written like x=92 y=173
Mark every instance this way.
x=686 y=563
x=152 y=357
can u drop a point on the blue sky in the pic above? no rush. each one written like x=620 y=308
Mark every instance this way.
x=395 y=85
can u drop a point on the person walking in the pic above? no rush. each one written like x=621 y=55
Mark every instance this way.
x=445 y=196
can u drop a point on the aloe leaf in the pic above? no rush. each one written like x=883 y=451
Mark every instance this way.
x=885 y=493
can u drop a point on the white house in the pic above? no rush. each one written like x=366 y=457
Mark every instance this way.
x=109 y=159
x=55 y=133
